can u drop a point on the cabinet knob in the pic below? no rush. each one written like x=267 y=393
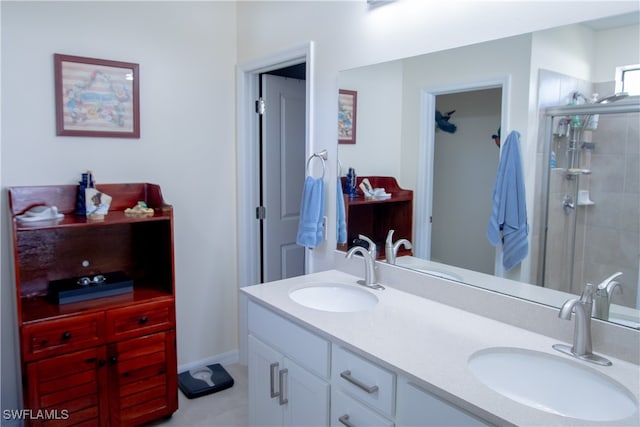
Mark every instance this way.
x=101 y=363
x=113 y=360
x=143 y=320
x=66 y=336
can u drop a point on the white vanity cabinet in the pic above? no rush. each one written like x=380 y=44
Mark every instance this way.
x=297 y=378
x=288 y=372
x=418 y=407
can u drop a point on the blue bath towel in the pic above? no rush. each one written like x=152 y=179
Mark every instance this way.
x=509 y=213
x=341 y=224
x=310 y=232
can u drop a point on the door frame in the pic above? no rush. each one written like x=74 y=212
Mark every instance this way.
x=426 y=147
x=247 y=161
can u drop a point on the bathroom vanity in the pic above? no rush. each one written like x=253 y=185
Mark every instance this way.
x=401 y=360
x=109 y=360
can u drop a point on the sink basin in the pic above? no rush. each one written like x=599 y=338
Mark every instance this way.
x=552 y=384
x=336 y=297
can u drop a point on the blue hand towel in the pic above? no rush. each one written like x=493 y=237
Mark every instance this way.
x=341 y=222
x=310 y=231
x=509 y=213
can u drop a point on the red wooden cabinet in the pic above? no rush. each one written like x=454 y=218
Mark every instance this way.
x=374 y=218
x=103 y=361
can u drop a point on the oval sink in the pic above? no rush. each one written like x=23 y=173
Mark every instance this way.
x=552 y=384
x=334 y=297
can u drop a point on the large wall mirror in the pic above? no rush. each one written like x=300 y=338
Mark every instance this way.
x=582 y=183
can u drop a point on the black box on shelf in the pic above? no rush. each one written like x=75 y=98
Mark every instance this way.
x=65 y=291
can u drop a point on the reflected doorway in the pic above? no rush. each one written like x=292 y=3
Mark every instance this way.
x=461 y=179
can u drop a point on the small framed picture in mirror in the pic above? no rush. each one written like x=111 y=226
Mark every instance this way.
x=347 y=112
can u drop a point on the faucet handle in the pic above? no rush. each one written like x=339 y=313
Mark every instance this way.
x=587 y=293
x=606 y=281
x=373 y=250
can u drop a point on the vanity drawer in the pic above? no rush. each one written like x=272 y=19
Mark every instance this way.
x=139 y=320
x=305 y=348
x=345 y=410
x=61 y=336
x=363 y=380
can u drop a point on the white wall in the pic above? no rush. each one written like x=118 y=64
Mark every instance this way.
x=186 y=53
x=379 y=120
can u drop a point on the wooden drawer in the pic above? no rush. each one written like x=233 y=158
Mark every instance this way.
x=61 y=336
x=363 y=380
x=129 y=322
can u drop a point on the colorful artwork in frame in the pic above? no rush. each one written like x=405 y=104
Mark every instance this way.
x=347 y=111
x=96 y=97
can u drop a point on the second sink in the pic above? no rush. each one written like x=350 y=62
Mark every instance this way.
x=552 y=384
x=335 y=297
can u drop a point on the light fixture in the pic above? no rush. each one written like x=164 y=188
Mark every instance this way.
x=378 y=2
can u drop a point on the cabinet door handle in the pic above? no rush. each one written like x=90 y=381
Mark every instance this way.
x=344 y=420
x=369 y=389
x=281 y=381
x=143 y=320
x=66 y=336
x=113 y=360
x=273 y=368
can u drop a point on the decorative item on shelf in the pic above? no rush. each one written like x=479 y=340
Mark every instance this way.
x=97 y=203
x=40 y=213
x=351 y=184
x=140 y=209
x=86 y=182
x=65 y=291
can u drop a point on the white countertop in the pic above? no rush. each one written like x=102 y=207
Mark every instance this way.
x=431 y=343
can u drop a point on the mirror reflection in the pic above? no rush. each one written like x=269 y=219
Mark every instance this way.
x=581 y=176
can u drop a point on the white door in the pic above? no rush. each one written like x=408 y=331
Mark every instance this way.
x=283 y=172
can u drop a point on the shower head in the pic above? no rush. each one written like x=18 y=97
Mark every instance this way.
x=612 y=98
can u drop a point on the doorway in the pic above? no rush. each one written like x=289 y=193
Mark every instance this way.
x=464 y=173
x=451 y=182
x=281 y=119
x=248 y=165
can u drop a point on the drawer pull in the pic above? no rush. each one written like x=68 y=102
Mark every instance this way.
x=113 y=360
x=143 y=320
x=66 y=336
x=369 y=389
x=344 y=420
x=281 y=380
x=273 y=368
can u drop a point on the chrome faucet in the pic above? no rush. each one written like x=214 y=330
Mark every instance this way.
x=603 y=294
x=391 y=249
x=369 y=267
x=582 y=334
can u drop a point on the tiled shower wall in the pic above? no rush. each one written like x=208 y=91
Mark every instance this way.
x=607 y=232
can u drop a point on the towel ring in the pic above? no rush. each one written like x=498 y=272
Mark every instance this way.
x=322 y=156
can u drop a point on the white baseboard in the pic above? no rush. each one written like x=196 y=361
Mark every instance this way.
x=228 y=358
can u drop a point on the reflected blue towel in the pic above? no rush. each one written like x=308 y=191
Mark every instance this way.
x=509 y=213
x=310 y=232
x=341 y=221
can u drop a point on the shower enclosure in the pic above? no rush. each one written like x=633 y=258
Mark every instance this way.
x=591 y=215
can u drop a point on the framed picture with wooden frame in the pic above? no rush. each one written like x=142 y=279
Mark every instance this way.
x=347 y=116
x=96 y=97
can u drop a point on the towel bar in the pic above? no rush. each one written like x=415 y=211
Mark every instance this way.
x=322 y=156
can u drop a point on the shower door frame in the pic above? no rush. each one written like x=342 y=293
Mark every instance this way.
x=630 y=105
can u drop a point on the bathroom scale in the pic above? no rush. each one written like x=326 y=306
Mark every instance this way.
x=205 y=380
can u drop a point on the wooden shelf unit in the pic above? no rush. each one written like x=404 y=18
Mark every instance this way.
x=105 y=361
x=374 y=218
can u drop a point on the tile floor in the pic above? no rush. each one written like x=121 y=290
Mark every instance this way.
x=226 y=408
